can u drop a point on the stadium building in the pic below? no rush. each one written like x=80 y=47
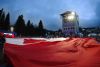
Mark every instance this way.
x=70 y=23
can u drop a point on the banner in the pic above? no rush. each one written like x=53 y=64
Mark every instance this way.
x=74 y=52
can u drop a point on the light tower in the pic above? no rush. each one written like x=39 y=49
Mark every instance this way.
x=70 y=23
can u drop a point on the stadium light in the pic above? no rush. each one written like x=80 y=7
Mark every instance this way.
x=70 y=17
x=73 y=13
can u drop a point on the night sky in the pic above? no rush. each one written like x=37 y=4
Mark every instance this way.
x=49 y=11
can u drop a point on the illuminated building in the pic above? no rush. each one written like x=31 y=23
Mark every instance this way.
x=70 y=24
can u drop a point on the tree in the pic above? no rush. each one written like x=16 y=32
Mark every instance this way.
x=41 y=28
x=20 y=26
x=32 y=29
x=7 y=22
x=2 y=21
x=40 y=24
x=28 y=28
x=1 y=12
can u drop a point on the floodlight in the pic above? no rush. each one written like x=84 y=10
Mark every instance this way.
x=70 y=17
x=73 y=13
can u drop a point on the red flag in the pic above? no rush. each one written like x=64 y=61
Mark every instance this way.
x=77 y=52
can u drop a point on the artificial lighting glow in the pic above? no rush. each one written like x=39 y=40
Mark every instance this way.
x=71 y=17
x=73 y=13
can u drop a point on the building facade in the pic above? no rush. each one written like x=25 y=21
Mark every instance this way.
x=70 y=23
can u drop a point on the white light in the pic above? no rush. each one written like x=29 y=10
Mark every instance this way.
x=73 y=13
x=71 y=17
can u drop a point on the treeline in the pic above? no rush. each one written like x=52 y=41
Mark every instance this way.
x=4 y=21
x=20 y=27
x=28 y=29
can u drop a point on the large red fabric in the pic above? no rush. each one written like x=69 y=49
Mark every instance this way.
x=75 y=52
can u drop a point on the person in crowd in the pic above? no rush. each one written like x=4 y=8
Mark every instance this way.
x=2 y=42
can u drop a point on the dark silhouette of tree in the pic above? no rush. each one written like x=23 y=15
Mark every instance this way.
x=7 y=22
x=41 y=28
x=32 y=30
x=28 y=28
x=2 y=21
x=36 y=31
x=40 y=25
x=1 y=12
x=20 y=26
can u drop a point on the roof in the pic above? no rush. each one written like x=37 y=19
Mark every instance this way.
x=67 y=12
